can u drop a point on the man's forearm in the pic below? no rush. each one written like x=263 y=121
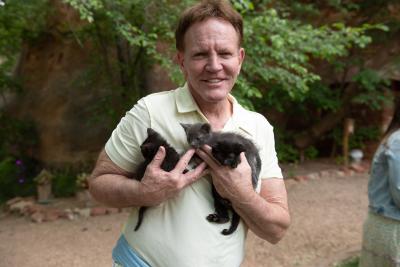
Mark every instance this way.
x=267 y=220
x=110 y=185
x=117 y=191
x=266 y=214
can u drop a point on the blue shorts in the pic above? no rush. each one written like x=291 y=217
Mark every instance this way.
x=123 y=255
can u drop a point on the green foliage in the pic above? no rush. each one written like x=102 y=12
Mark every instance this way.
x=141 y=33
x=15 y=178
x=284 y=44
x=278 y=48
x=362 y=135
x=44 y=177
x=352 y=262
x=17 y=137
x=372 y=83
x=359 y=138
x=311 y=153
x=20 y=21
x=81 y=181
x=64 y=182
x=286 y=152
x=17 y=167
x=279 y=51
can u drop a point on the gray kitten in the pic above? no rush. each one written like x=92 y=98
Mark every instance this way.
x=226 y=149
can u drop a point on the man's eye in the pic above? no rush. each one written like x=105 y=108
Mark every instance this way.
x=200 y=55
x=225 y=54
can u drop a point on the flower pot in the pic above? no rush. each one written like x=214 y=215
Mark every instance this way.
x=44 y=193
x=85 y=198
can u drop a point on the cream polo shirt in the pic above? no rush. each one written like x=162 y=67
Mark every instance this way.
x=176 y=232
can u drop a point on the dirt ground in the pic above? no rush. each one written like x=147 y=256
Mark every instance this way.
x=327 y=216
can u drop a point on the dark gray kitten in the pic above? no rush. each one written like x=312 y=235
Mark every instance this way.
x=149 y=149
x=226 y=149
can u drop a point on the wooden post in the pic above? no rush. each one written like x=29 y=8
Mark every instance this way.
x=347 y=130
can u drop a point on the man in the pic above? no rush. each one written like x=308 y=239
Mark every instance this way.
x=175 y=231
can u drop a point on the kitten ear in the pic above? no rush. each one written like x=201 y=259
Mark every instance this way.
x=206 y=127
x=185 y=126
x=240 y=147
x=150 y=132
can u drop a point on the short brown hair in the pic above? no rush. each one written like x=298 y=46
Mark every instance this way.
x=221 y=9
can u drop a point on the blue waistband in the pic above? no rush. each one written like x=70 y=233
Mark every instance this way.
x=124 y=255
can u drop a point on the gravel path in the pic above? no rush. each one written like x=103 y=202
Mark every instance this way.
x=327 y=216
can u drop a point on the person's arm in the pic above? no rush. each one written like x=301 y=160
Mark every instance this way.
x=393 y=159
x=267 y=213
x=110 y=184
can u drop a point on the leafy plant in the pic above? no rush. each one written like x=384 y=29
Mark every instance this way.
x=15 y=178
x=352 y=262
x=82 y=181
x=279 y=48
x=362 y=135
x=311 y=152
x=64 y=183
x=44 y=177
x=17 y=137
x=20 y=21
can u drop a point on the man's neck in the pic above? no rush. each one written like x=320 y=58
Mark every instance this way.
x=217 y=114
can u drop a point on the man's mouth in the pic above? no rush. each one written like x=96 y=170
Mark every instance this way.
x=214 y=80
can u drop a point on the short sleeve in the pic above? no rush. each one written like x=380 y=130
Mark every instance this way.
x=123 y=147
x=266 y=142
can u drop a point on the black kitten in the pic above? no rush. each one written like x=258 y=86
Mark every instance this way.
x=226 y=148
x=149 y=149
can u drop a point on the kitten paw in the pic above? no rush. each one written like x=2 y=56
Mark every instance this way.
x=226 y=232
x=215 y=218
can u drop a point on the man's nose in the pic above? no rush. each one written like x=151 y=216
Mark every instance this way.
x=213 y=64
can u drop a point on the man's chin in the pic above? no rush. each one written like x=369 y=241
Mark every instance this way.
x=215 y=98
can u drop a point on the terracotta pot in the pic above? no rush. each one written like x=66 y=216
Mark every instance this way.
x=85 y=197
x=44 y=193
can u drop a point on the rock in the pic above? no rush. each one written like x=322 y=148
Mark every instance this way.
x=327 y=173
x=85 y=212
x=97 y=211
x=313 y=176
x=52 y=215
x=112 y=210
x=300 y=178
x=37 y=217
x=68 y=214
x=13 y=201
x=347 y=171
x=33 y=209
x=20 y=206
x=358 y=168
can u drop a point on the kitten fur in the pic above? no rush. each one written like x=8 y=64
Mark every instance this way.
x=149 y=149
x=226 y=149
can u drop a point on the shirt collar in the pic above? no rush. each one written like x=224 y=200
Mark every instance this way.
x=185 y=103
x=184 y=100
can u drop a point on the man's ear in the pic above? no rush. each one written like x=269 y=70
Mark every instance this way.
x=180 y=58
x=242 y=55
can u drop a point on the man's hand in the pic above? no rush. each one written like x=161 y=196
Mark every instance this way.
x=158 y=185
x=267 y=213
x=233 y=184
x=110 y=184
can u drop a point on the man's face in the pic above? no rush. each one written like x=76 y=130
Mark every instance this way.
x=212 y=59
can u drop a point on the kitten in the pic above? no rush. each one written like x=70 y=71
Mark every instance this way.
x=226 y=149
x=149 y=149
